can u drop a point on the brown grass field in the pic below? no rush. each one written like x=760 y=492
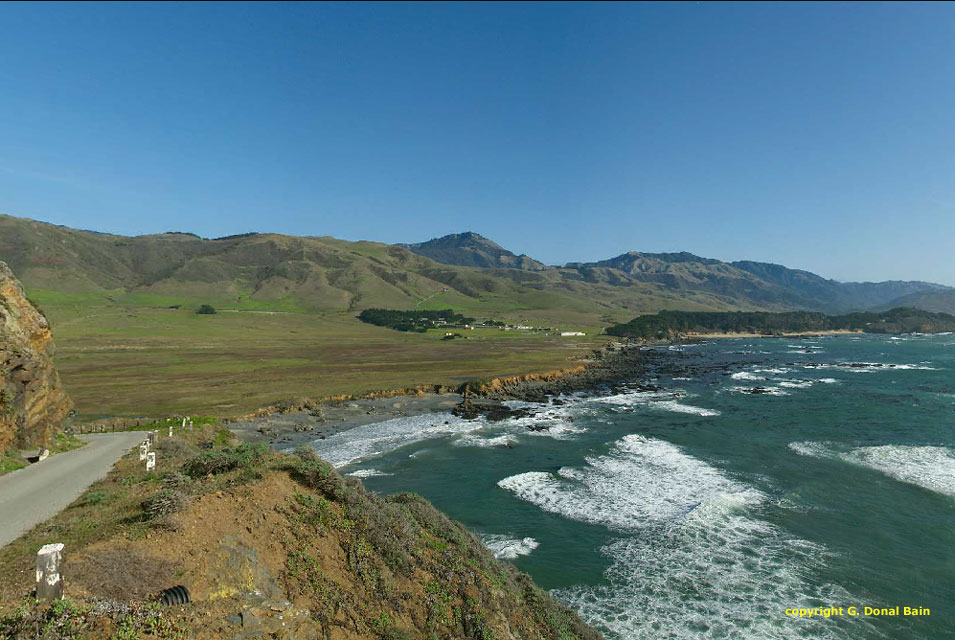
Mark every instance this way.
x=119 y=361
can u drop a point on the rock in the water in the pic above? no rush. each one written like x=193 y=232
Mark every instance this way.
x=493 y=411
x=33 y=404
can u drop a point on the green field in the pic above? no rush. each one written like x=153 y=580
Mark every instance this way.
x=130 y=361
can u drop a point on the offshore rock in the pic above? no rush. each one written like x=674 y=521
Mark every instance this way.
x=33 y=404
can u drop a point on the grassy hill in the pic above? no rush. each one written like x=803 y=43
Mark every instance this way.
x=938 y=301
x=315 y=274
x=466 y=272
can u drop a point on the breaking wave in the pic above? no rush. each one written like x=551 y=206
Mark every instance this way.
x=929 y=467
x=701 y=564
x=381 y=437
x=660 y=400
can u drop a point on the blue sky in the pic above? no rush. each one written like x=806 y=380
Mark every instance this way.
x=820 y=136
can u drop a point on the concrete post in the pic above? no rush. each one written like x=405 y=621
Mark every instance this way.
x=143 y=450
x=49 y=572
x=170 y=431
x=151 y=437
x=150 y=461
x=184 y=422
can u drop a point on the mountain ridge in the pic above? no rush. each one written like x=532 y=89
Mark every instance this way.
x=469 y=249
x=324 y=274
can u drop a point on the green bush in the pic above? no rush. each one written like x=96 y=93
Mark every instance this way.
x=244 y=456
x=206 y=309
x=95 y=497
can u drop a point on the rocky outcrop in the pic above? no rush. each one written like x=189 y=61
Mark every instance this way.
x=33 y=404
x=616 y=363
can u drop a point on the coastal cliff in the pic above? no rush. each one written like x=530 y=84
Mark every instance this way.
x=267 y=545
x=33 y=403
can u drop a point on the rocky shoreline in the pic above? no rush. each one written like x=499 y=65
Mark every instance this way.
x=615 y=363
x=620 y=366
x=618 y=363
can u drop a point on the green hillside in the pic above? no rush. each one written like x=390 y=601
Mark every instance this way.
x=129 y=343
x=938 y=301
x=320 y=274
x=671 y=324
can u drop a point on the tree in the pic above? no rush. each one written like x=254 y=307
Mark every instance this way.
x=206 y=309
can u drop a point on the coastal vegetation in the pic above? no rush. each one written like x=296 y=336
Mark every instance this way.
x=278 y=543
x=672 y=324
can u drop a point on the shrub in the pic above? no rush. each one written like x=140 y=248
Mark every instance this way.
x=7 y=398
x=244 y=456
x=174 y=448
x=165 y=502
x=381 y=524
x=175 y=480
x=206 y=309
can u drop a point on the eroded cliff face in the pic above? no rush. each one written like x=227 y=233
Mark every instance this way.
x=33 y=404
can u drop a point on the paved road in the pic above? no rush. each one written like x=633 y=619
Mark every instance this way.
x=38 y=492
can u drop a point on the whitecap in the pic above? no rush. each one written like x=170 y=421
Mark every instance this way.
x=746 y=375
x=773 y=370
x=508 y=548
x=701 y=565
x=812 y=449
x=661 y=400
x=929 y=467
x=720 y=576
x=642 y=480
x=473 y=440
x=381 y=437
x=868 y=367
x=368 y=473
x=795 y=384
x=760 y=391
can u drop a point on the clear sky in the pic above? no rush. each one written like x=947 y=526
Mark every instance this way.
x=819 y=136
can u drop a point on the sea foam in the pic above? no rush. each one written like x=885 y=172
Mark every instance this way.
x=746 y=375
x=929 y=467
x=659 y=400
x=381 y=437
x=692 y=561
x=641 y=481
x=508 y=548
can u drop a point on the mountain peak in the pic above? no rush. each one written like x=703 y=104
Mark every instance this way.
x=470 y=249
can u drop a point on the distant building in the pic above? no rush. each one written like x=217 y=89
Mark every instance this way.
x=572 y=333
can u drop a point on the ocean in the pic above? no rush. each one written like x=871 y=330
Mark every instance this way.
x=762 y=476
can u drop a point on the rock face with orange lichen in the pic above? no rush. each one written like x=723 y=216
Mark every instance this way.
x=33 y=404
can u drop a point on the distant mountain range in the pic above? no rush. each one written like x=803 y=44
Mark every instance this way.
x=464 y=271
x=762 y=282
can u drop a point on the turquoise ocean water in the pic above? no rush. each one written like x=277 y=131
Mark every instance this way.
x=703 y=510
